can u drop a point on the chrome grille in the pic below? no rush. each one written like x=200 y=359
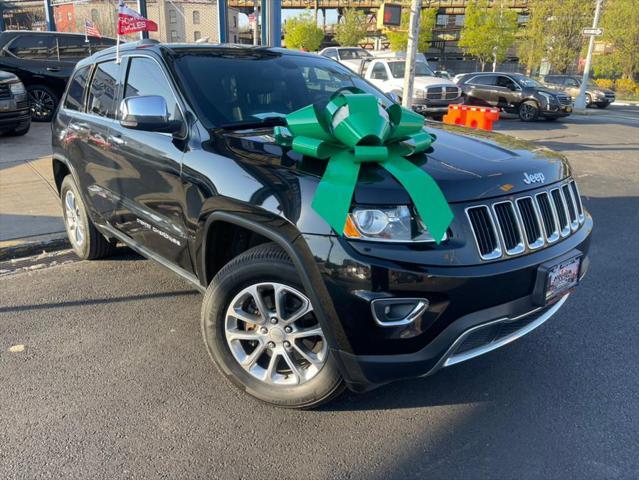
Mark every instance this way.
x=564 y=99
x=526 y=223
x=4 y=91
x=441 y=92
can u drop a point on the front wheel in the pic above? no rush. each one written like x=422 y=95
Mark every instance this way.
x=528 y=111
x=261 y=331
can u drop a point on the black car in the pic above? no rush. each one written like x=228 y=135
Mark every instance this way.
x=172 y=152
x=15 y=118
x=571 y=85
x=514 y=93
x=44 y=61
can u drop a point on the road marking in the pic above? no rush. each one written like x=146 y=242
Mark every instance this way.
x=17 y=348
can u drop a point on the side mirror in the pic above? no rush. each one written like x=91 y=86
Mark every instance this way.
x=148 y=113
x=394 y=97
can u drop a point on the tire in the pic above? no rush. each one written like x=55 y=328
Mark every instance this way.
x=268 y=375
x=43 y=101
x=588 y=100
x=603 y=105
x=87 y=242
x=528 y=111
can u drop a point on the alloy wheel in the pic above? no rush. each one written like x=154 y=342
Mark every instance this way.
x=42 y=104
x=527 y=111
x=74 y=225
x=274 y=335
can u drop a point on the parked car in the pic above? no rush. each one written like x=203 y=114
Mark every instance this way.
x=172 y=152
x=431 y=94
x=15 y=118
x=44 y=61
x=515 y=93
x=349 y=56
x=570 y=84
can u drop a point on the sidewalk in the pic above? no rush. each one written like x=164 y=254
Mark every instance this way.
x=30 y=213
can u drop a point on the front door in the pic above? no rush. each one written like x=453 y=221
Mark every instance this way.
x=149 y=206
x=479 y=90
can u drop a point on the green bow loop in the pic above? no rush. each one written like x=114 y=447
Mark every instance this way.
x=355 y=128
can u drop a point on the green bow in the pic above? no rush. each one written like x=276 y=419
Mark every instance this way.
x=355 y=128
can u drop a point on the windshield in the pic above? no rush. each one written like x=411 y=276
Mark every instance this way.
x=353 y=53
x=227 y=89
x=529 y=82
x=421 y=69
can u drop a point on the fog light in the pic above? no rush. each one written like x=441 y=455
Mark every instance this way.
x=393 y=312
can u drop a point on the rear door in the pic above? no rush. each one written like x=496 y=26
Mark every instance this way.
x=150 y=208
x=97 y=165
x=479 y=90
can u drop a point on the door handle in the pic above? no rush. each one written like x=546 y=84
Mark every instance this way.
x=53 y=69
x=117 y=139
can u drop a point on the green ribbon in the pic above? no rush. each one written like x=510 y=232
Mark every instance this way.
x=352 y=129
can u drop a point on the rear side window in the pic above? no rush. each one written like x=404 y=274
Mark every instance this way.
x=71 y=48
x=102 y=94
x=146 y=78
x=32 y=47
x=483 y=80
x=75 y=95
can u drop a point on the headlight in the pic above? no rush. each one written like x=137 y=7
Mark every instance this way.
x=17 y=88
x=394 y=224
x=549 y=98
x=419 y=93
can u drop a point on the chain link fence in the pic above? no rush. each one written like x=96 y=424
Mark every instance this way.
x=178 y=21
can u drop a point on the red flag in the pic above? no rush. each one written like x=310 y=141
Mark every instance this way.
x=130 y=21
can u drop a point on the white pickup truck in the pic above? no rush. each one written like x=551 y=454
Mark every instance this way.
x=431 y=94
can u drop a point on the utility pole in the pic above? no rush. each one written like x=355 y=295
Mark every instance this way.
x=48 y=15
x=411 y=52
x=256 y=14
x=580 y=102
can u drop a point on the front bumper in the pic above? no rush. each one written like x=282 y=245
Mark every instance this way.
x=10 y=120
x=472 y=310
x=424 y=106
x=554 y=110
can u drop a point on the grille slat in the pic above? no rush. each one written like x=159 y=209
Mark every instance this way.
x=509 y=228
x=4 y=91
x=561 y=211
x=484 y=231
x=575 y=191
x=550 y=226
x=570 y=203
x=531 y=222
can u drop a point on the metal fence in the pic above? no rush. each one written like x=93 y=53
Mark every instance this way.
x=177 y=20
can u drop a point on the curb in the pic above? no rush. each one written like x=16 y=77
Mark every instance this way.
x=25 y=247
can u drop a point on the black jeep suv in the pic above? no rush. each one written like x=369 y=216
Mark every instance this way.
x=515 y=93
x=15 y=118
x=172 y=152
x=44 y=61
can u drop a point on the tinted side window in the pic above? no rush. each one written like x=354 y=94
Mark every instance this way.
x=71 y=48
x=31 y=46
x=552 y=80
x=571 y=82
x=331 y=53
x=102 y=93
x=97 y=44
x=379 y=72
x=145 y=77
x=75 y=95
x=483 y=80
x=506 y=82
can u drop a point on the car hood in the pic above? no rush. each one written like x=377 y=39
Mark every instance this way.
x=467 y=164
x=7 y=77
x=428 y=81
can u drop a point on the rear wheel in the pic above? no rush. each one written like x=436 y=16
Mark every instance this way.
x=43 y=103
x=262 y=333
x=528 y=111
x=87 y=242
x=588 y=100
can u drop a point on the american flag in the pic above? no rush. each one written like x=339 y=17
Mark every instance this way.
x=91 y=30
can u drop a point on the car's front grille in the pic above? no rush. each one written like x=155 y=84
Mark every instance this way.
x=564 y=99
x=4 y=91
x=442 y=93
x=527 y=223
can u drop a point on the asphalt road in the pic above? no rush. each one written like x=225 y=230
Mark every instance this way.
x=114 y=381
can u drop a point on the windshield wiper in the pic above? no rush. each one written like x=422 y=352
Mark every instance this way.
x=263 y=122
